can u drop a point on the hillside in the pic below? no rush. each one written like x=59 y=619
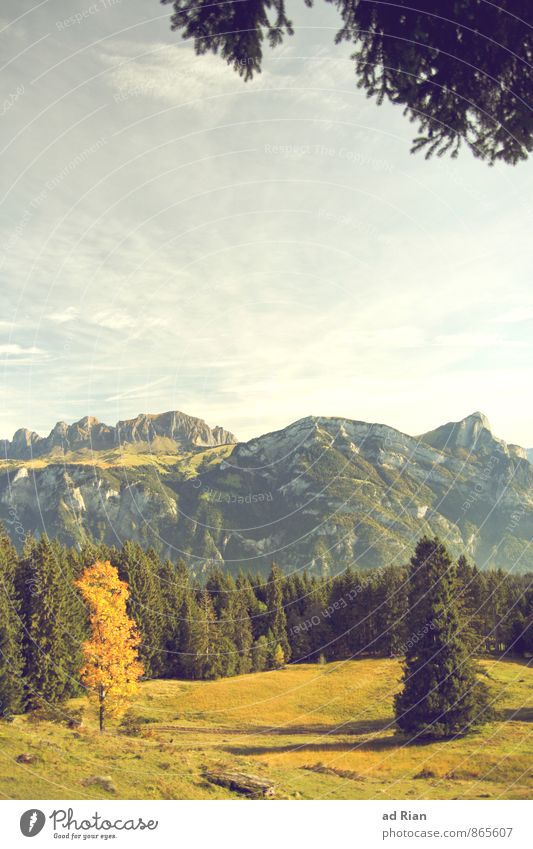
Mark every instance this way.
x=322 y=493
x=317 y=732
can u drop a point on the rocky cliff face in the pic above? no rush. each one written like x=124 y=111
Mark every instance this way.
x=321 y=494
x=471 y=435
x=187 y=432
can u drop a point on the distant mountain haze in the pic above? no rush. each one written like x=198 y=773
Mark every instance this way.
x=321 y=494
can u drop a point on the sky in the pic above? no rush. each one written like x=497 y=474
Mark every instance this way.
x=250 y=253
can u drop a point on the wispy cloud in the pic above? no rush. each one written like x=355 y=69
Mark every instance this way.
x=164 y=72
x=114 y=320
x=13 y=349
x=63 y=316
x=139 y=391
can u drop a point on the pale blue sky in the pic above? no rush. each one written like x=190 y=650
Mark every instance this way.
x=172 y=238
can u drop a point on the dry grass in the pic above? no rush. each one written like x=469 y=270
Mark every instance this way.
x=161 y=454
x=316 y=731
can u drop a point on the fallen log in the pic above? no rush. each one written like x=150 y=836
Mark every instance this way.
x=240 y=782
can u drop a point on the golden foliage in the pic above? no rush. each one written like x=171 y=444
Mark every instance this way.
x=112 y=668
x=279 y=657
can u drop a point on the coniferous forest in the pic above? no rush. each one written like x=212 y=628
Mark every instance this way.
x=223 y=625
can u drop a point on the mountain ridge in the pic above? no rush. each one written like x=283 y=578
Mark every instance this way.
x=321 y=494
x=187 y=431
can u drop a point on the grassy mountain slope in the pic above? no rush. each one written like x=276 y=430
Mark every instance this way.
x=318 y=732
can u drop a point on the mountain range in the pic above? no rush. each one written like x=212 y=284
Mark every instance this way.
x=186 y=432
x=322 y=494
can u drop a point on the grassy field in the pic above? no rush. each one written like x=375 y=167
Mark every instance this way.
x=318 y=732
x=161 y=453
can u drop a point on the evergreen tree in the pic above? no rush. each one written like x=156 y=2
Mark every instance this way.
x=11 y=659
x=175 y=590
x=441 y=694
x=392 y=611
x=203 y=642
x=49 y=659
x=140 y=570
x=470 y=599
x=220 y=587
x=232 y=626
x=188 y=637
x=236 y=626
x=276 y=618
x=521 y=636
x=260 y=654
x=461 y=70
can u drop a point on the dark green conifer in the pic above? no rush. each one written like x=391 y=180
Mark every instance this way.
x=140 y=570
x=441 y=694
x=50 y=659
x=11 y=659
x=276 y=618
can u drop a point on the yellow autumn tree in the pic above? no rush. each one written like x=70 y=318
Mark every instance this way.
x=279 y=657
x=111 y=669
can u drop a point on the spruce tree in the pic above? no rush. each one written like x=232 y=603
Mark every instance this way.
x=260 y=653
x=277 y=620
x=236 y=626
x=11 y=659
x=461 y=70
x=140 y=570
x=392 y=628
x=203 y=643
x=441 y=694
x=49 y=660
x=187 y=637
x=175 y=590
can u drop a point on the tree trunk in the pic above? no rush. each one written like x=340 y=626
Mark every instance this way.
x=101 y=696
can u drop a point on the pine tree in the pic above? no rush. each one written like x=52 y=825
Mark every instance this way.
x=202 y=644
x=49 y=654
x=277 y=620
x=469 y=600
x=140 y=570
x=111 y=669
x=260 y=654
x=441 y=693
x=11 y=659
x=392 y=614
x=461 y=70
x=175 y=590
x=187 y=637
x=220 y=587
x=236 y=625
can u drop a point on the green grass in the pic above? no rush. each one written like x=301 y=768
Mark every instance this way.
x=319 y=732
x=161 y=453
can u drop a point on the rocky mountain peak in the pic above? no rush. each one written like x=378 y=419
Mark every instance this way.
x=471 y=434
x=86 y=422
x=187 y=432
x=59 y=429
x=24 y=437
x=477 y=419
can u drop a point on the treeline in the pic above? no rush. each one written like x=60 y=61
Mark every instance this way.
x=224 y=625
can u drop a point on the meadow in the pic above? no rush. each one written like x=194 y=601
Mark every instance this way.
x=316 y=731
